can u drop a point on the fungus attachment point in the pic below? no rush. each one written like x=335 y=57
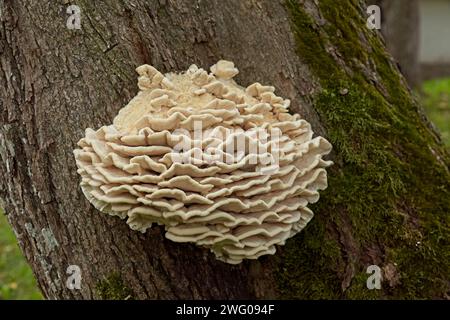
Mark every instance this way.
x=224 y=69
x=222 y=166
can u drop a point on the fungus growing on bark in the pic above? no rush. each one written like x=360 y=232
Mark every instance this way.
x=219 y=165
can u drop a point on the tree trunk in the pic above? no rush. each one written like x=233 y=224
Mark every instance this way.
x=401 y=30
x=388 y=198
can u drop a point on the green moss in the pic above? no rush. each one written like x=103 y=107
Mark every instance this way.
x=303 y=257
x=359 y=288
x=386 y=188
x=113 y=288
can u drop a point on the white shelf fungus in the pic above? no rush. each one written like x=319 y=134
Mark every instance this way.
x=219 y=165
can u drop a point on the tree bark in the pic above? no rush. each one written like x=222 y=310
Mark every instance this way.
x=401 y=30
x=58 y=81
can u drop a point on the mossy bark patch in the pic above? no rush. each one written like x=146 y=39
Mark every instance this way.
x=388 y=200
x=113 y=288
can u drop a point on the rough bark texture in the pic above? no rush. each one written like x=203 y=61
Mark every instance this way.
x=388 y=199
x=401 y=30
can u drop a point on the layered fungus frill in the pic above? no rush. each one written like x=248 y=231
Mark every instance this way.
x=219 y=165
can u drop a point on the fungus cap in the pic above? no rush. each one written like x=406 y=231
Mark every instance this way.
x=219 y=165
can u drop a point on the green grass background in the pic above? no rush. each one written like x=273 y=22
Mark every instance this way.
x=436 y=100
x=16 y=278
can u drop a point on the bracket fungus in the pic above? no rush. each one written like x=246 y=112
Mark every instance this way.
x=219 y=165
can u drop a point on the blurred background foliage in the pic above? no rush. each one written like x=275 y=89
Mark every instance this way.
x=436 y=101
x=16 y=278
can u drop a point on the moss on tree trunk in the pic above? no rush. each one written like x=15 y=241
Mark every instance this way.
x=388 y=201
